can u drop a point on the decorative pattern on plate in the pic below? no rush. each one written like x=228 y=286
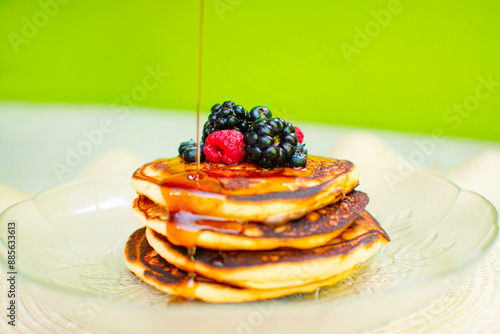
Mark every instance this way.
x=392 y=265
x=75 y=255
x=109 y=278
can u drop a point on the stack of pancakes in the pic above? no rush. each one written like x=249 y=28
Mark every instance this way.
x=236 y=233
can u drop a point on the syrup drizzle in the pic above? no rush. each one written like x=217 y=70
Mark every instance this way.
x=189 y=285
x=198 y=107
x=185 y=228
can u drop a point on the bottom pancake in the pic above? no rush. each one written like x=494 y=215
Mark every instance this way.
x=146 y=264
x=279 y=268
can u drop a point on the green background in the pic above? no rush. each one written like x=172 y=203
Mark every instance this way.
x=405 y=74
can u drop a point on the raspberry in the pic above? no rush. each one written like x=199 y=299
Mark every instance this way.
x=226 y=146
x=300 y=134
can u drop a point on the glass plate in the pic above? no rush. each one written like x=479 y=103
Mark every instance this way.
x=70 y=241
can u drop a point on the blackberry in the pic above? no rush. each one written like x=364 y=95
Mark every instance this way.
x=227 y=116
x=259 y=112
x=270 y=142
x=187 y=150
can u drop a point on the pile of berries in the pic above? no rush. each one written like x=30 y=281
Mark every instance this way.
x=232 y=134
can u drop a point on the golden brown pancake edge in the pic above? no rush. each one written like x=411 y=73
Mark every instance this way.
x=149 y=267
x=281 y=267
x=313 y=230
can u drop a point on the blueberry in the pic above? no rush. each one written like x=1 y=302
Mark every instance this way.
x=301 y=148
x=259 y=112
x=184 y=145
x=298 y=160
x=189 y=155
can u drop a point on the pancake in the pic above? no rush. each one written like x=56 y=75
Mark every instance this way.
x=281 y=267
x=315 y=229
x=148 y=266
x=245 y=191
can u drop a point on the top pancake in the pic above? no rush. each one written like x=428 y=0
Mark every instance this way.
x=246 y=191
